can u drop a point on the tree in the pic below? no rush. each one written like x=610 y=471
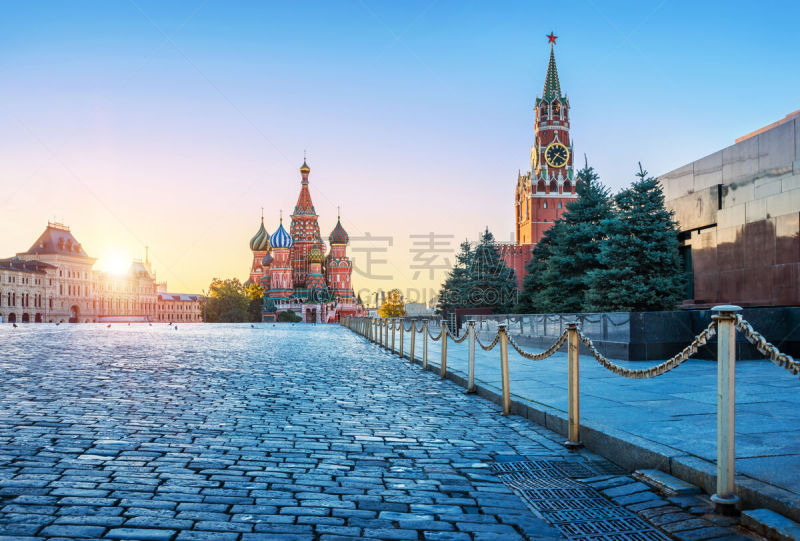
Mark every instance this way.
x=491 y=282
x=227 y=301
x=393 y=306
x=642 y=266
x=255 y=294
x=574 y=249
x=453 y=293
x=288 y=316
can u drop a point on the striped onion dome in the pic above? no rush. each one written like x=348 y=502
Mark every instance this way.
x=339 y=235
x=315 y=255
x=281 y=239
x=266 y=260
x=260 y=242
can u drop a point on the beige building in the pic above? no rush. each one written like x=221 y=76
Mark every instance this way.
x=54 y=282
x=24 y=287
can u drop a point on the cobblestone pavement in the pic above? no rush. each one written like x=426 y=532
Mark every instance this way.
x=232 y=432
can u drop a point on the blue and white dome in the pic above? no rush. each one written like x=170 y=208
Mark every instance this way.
x=281 y=239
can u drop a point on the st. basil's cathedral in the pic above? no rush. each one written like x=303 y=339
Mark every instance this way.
x=542 y=194
x=295 y=272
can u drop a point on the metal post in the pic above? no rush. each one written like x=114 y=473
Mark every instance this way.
x=386 y=333
x=443 y=370
x=501 y=330
x=393 y=328
x=471 y=380
x=425 y=345
x=402 y=332
x=573 y=355
x=413 y=338
x=725 y=499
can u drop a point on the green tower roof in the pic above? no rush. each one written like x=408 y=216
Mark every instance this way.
x=552 y=88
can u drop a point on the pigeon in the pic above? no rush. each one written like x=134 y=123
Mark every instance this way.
x=108 y=326
x=252 y=326
x=176 y=327
x=15 y=325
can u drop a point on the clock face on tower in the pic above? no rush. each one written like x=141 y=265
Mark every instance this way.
x=556 y=155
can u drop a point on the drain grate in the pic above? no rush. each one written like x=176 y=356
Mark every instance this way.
x=578 y=511
x=604 y=467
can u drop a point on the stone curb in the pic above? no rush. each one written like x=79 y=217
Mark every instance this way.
x=634 y=453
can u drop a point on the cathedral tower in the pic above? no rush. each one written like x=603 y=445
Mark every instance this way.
x=280 y=269
x=340 y=268
x=304 y=230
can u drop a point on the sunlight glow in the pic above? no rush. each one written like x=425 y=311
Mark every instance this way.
x=114 y=262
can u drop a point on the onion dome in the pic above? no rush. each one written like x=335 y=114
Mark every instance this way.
x=280 y=238
x=339 y=235
x=260 y=242
x=304 y=168
x=266 y=260
x=315 y=255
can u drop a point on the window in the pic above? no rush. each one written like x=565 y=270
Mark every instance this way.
x=559 y=204
x=544 y=204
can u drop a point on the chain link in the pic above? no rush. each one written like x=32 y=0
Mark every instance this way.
x=431 y=335
x=458 y=340
x=538 y=356
x=673 y=362
x=766 y=348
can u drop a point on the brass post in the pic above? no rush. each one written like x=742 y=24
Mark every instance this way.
x=573 y=356
x=402 y=332
x=413 y=338
x=386 y=331
x=443 y=369
x=501 y=330
x=394 y=324
x=425 y=345
x=471 y=380
x=725 y=499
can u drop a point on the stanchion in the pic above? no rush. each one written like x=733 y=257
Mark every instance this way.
x=425 y=345
x=402 y=332
x=573 y=357
x=443 y=365
x=393 y=329
x=413 y=338
x=471 y=379
x=501 y=330
x=725 y=499
x=386 y=333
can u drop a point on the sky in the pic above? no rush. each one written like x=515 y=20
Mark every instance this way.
x=171 y=124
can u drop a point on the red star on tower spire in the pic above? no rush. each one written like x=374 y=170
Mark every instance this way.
x=552 y=38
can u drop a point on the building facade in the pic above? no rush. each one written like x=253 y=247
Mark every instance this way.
x=738 y=211
x=179 y=307
x=54 y=281
x=542 y=194
x=293 y=269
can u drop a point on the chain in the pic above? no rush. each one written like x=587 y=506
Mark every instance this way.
x=490 y=346
x=673 y=362
x=458 y=340
x=539 y=356
x=437 y=338
x=766 y=348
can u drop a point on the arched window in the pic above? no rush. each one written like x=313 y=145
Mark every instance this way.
x=567 y=186
x=559 y=204
x=543 y=111
x=544 y=204
x=556 y=108
x=553 y=186
x=540 y=187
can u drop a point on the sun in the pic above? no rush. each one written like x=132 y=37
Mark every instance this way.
x=114 y=262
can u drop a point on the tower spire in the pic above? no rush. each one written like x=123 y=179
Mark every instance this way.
x=552 y=88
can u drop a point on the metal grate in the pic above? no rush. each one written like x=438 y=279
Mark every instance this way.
x=578 y=511
x=604 y=467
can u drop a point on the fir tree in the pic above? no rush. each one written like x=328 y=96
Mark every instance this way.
x=642 y=267
x=575 y=245
x=491 y=282
x=453 y=293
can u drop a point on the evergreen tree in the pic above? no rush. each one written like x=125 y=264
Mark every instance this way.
x=453 y=293
x=642 y=266
x=575 y=245
x=491 y=282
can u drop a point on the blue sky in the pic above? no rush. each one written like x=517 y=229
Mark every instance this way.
x=173 y=123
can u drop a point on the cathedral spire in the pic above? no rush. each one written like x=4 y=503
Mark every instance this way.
x=552 y=88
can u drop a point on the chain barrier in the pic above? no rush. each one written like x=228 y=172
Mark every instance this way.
x=458 y=340
x=766 y=348
x=539 y=356
x=431 y=335
x=658 y=370
x=490 y=346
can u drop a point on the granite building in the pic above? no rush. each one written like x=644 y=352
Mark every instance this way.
x=739 y=216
